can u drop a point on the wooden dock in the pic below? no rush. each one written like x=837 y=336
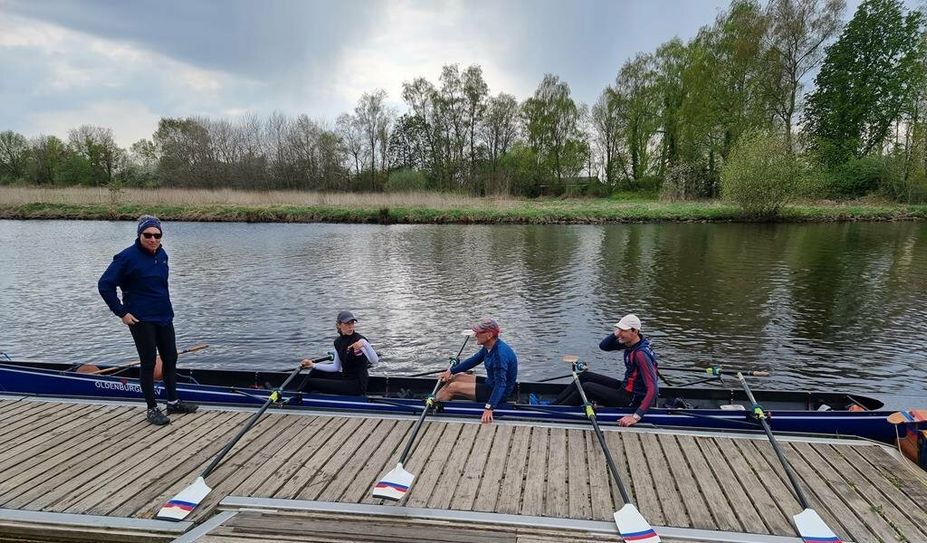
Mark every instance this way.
x=81 y=471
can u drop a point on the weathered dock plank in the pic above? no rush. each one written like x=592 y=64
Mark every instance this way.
x=454 y=467
x=726 y=487
x=436 y=460
x=578 y=476
x=378 y=463
x=469 y=483
x=536 y=475
x=106 y=460
x=165 y=466
x=487 y=494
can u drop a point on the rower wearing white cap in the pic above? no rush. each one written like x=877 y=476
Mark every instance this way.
x=639 y=388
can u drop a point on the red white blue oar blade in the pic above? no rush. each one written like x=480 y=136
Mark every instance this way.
x=394 y=485
x=812 y=529
x=181 y=505
x=633 y=527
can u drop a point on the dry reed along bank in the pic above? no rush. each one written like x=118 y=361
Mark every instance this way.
x=425 y=207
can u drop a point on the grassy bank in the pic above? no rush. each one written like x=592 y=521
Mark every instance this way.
x=245 y=206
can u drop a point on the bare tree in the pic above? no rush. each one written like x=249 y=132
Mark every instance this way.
x=475 y=91
x=352 y=139
x=500 y=127
x=798 y=31
x=372 y=118
x=606 y=118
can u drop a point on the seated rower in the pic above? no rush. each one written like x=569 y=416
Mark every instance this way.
x=501 y=371
x=640 y=386
x=347 y=373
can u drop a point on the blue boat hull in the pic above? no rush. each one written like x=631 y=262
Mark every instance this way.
x=402 y=396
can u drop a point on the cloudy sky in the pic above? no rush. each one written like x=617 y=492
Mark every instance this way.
x=125 y=64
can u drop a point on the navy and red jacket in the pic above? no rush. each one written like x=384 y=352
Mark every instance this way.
x=142 y=277
x=640 y=377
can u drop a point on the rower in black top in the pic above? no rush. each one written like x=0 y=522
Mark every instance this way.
x=347 y=373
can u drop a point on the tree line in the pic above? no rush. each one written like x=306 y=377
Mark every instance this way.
x=684 y=121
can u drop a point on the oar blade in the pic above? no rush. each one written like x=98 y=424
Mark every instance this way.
x=633 y=527
x=812 y=529
x=394 y=485
x=181 y=505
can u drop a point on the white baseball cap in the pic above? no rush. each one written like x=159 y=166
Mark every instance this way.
x=628 y=322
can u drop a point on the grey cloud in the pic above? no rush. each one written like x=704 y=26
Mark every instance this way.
x=246 y=38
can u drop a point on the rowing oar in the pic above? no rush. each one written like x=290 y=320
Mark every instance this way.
x=395 y=484
x=178 y=507
x=660 y=375
x=427 y=373
x=631 y=524
x=94 y=370
x=717 y=369
x=810 y=525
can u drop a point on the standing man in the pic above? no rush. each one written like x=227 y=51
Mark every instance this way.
x=140 y=271
x=501 y=371
x=640 y=386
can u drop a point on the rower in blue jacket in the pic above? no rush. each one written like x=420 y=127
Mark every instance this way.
x=501 y=371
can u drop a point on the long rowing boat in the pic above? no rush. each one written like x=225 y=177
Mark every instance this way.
x=717 y=408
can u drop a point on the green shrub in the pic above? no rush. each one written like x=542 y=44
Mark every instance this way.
x=760 y=175
x=862 y=176
x=406 y=180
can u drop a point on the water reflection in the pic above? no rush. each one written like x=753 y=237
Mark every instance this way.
x=823 y=305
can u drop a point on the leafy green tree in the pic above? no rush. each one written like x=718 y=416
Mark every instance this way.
x=499 y=131
x=672 y=60
x=46 y=153
x=407 y=143
x=14 y=156
x=737 y=72
x=551 y=119
x=869 y=75
x=96 y=146
x=186 y=153
x=638 y=102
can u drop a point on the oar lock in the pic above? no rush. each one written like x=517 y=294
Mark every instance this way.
x=757 y=412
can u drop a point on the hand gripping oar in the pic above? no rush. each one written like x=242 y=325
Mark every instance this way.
x=178 y=507
x=632 y=526
x=395 y=484
x=810 y=525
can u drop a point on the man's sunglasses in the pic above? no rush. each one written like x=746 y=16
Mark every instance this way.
x=149 y=235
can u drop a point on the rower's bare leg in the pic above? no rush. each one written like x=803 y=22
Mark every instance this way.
x=459 y=385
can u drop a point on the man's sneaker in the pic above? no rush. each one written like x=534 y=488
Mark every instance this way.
x=181 y=407
x=156 y=417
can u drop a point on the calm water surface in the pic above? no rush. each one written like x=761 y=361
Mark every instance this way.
x=822 y=305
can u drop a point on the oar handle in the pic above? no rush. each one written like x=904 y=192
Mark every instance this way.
x=104 y=371
x=761 y=415
x=274 y=396
x=555 y=378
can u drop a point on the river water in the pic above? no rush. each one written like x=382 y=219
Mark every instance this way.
x=820 y=305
